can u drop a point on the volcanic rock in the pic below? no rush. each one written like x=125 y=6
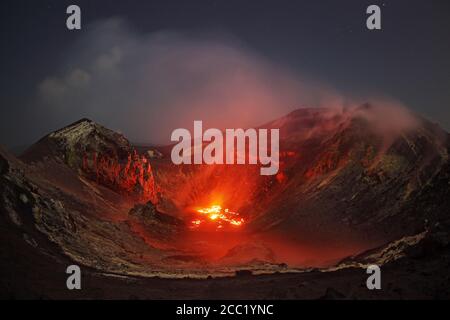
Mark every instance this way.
x=100 y=154
x=355 y=177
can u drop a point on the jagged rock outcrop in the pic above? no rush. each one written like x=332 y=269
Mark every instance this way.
x=100 y=154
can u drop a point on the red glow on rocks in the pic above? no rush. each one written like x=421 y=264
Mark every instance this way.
x=133 y=178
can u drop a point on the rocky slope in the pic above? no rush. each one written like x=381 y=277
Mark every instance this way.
x=361 y=179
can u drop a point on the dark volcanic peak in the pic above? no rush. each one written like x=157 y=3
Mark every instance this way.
x=91 y=136
x=83 y=135
x=356 y=169
x=386 y=123
x=99 y=154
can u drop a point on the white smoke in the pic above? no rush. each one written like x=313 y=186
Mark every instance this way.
x=146 y=85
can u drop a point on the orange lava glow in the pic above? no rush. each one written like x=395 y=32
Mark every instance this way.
x=218 y=216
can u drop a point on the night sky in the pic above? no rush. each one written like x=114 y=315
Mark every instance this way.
x=325 y=42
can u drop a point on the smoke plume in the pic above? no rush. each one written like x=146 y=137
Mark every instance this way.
x=147 y=85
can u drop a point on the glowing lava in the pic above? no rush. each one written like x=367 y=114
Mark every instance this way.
x=218 y=216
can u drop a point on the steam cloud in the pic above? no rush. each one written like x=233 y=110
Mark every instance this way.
x=147 y=85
